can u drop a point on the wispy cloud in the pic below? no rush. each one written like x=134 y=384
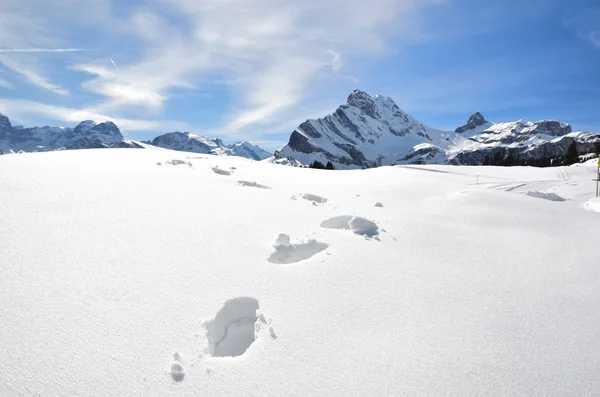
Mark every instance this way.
x=24 y=109
x=33 y=77
x=5 y=84
x=32 y=50
x=271 y=54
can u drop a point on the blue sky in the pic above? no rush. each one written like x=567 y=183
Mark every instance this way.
x=254 y=69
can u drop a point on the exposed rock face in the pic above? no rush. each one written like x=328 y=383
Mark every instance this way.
x=189 y=142
x=365 y=132
x=373 y=131
x=476 y=120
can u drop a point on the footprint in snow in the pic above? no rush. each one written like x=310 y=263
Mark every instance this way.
x=252 y=184
x=286 y=252
x=232 y=331
x=546 y=196
x=315 y=199
x=356 y=224
x=221 y=171
x=378 y=204
x=177 y=372
x=178 y=162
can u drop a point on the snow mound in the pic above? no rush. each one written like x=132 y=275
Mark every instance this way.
x=231 y=332
x=592 y=204
x=220 y=171
x=546 y=196
x=356 y=224
x=252 y=184
x=286 y=253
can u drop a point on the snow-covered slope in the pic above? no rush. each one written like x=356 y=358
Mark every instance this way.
x=138 y=272
x=87 y=134
x=373 y=131
x=190 y=142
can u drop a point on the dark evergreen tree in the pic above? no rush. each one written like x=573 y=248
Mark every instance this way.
x=572 y=156
x=329 y=166
x=597 y=147
x=317 y=164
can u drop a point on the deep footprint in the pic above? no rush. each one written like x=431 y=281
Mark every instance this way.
x=311 y=197
x=286 y=253
x=356 y=224
x=231 y=332
x=220 y=171
x=177 y=369
x=546 y=196
x=252 y=184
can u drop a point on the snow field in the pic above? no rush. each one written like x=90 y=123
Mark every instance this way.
x=111 y=264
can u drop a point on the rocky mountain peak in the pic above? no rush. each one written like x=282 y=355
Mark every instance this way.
x=363 y=101
x=4 y=122
x=476 y=120
x=91 y=127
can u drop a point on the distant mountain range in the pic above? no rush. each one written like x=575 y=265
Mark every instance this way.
x=95 y=134
x=373 y=131
x=365 y=132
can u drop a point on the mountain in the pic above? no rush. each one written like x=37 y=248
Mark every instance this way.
x=92 y=134
x=366 y=132
x=373 y=131
x=190 y=142
x=533 y=143
x=86 y=135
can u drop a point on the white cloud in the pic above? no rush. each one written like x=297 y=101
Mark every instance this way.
x=33 y=77
x=30 y=50
x=271 y=54
x=5 y=84
x=24 y=109
x=274 y=57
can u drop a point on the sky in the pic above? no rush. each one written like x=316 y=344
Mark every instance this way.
x=255 y=69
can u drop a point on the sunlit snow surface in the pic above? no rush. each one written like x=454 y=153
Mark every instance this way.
x=157 y=273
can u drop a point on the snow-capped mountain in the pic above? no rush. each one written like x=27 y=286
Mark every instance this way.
x=365 y=132
x=92 y=134
x=190 y=142
x=530 y=142
x=373 y=131
x=86 y=135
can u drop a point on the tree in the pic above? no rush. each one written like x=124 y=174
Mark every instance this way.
x=572 y=156
x=329 y=166
x=597 y=147
x=317 y=164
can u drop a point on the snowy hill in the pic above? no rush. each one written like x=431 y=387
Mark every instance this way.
x=88 y=134
x=190 y=142
x=373 y=131
x=170 y=275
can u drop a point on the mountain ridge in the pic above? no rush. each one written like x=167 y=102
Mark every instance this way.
x=92 y=134
x=370 y=131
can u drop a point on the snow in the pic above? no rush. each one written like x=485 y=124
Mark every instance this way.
x=593 y=204
x=121 y=277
